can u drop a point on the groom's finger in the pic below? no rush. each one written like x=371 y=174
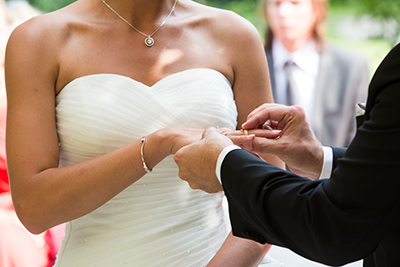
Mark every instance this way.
x=211 y=136
x=262 y=107
x=208 y=131
x=279 y=114
x=269 y=112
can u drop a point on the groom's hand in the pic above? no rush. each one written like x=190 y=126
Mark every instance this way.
x=197 y=162
x=285 y=132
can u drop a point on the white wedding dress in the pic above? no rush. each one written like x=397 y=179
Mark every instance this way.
x=159 y=220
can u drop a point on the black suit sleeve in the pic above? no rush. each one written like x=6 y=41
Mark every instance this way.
x=336 y=220
x=338 y=152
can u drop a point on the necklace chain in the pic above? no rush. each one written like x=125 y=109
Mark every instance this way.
x=149 y=41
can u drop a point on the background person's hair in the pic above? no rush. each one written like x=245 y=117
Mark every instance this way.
x=319 y=31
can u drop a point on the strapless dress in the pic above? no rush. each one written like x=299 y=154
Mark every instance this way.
x=159 y=220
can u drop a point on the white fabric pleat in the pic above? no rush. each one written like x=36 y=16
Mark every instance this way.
x=159 y=220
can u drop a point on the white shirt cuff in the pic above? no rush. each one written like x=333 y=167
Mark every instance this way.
x=328 y=162
x=221 y=158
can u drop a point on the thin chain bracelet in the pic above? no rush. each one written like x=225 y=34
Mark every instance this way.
x=143 y=139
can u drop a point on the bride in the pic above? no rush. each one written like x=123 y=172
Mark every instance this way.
x=100 y=95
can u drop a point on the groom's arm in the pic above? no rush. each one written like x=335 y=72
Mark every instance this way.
x=337 y=153
x=270 y=205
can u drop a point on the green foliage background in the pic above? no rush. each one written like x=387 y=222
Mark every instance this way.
x=374 y=48
x=384 y=10
x=377 y=8
x=50 y=5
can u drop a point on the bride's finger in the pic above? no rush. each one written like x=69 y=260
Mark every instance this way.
x=241 y=139
x=266 y=133
x=241 y=135
x=224 y=131
x=235 y=133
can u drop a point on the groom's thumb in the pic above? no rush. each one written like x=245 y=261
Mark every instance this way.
x=210 y=131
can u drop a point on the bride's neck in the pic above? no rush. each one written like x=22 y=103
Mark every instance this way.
x=142 y=13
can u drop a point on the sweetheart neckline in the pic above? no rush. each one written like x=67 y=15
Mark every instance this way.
x=138 y=82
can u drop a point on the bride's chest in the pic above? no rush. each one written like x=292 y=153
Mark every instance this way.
x=118 y=109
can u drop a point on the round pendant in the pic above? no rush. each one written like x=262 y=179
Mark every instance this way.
x=149 y=41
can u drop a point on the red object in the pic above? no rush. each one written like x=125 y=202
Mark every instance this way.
x=4 y=183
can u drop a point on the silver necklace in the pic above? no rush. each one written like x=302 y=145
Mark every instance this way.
x=149 y=41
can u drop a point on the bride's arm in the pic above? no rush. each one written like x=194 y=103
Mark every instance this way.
x=238 y=251
x=252 y=86
x=44 y=194
x=251 y=89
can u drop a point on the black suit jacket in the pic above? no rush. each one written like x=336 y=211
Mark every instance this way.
x=353 y=215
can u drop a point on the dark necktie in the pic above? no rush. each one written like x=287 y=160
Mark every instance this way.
x=291 y=88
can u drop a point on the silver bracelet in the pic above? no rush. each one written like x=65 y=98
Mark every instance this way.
x=143 y=139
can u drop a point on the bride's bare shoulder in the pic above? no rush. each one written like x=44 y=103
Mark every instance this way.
x=47 y=28
x=223 y=24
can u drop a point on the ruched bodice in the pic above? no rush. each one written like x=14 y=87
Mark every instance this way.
x=159 y=220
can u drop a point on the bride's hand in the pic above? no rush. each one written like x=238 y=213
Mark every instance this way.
x=238 y=138
x=181 y=137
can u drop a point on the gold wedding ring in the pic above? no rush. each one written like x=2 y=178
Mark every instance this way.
x=246 y=132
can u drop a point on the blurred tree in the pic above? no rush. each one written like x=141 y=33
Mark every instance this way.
x=248 y=9
x=387 y=12
x=49 y=5
x=340 y=2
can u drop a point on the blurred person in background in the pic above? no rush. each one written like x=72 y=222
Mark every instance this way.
x=326 y=80
x=18 y=247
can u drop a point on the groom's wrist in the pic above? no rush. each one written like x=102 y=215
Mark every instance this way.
x=221 y=158
x=327 y=163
